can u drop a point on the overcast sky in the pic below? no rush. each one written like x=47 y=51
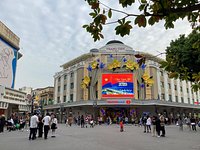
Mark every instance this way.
x=51 y=34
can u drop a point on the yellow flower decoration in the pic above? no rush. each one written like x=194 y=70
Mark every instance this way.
x=83 y=86
x=110 y=66
x=147 y=79
x=131 y=65
x=116 y=63
x=150 y=82
x=86 y=80
x=85 y=83
x=145 y=76
x=94 y=64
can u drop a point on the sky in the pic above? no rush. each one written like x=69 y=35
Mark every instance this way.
x=51 y=34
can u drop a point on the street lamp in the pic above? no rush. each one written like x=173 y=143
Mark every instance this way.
x=61 y=112
x=95 y=110
x=32 y=102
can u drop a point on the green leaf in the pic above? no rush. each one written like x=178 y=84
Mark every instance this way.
x=143 y=1
x=85 y=26
x=141 y=7
x=151 y=20
x=110 y=13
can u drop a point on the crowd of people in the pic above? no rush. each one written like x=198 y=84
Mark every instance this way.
x=42 y=124
x=36 y=124
x=39 y=125
x=81 y=120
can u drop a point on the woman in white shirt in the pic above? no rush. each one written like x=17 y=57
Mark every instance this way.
x=148 y=124
x=54 y=123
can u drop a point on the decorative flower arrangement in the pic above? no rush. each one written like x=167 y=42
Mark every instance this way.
x=85 y=83
x=114 y=65
x=131 y=65
x=94 y=65
x=147 y=79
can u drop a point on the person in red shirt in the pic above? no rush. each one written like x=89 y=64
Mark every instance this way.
x=121 y=126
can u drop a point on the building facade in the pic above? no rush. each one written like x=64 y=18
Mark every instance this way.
x=12 y=101
x=129 y=94
x=9 y=54
x=42 y=97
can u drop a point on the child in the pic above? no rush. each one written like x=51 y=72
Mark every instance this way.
x=121 y=126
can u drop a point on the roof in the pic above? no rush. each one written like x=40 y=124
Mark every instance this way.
x=91 y=54
x=7 y=35
x=77 y=60
x=114 y=41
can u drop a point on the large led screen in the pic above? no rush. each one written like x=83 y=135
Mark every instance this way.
x=117 y=86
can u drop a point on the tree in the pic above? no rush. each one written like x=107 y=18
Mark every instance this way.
x=152 y=12
x=183 y=59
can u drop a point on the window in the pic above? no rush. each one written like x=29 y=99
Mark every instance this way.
x=163 y=96
x=59 y=79
x=193 y=101
x=177 y=99
x=65 y=77
x=65 y=87
x=181 y=89
x=162 y=84
x=64 y=98
x=72 y=74
x=161 y=72
x=188 y=100
x=58 y=88
x=58 y=99
x=72 y=85
x=170 y=98
x=71 y=97
x=169 y=85
x=182 y=100
x=175 y=87
x=187 y=90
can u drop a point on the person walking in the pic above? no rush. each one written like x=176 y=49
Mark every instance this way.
x=82 y=121
x=188 y=123
x=144 y=122
x=46 y=120
x=148 y=124
x=180 y=123
x=40 y=127
x=158 y=126
x=54 y=123
x=33 y=126
x=162 y=125
x=2 y=123
x=153 y=122
x=193 y=124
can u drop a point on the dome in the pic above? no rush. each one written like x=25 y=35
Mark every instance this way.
x=94 y=50
x=114 y=41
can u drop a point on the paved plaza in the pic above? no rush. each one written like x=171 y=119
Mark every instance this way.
x=103 y=138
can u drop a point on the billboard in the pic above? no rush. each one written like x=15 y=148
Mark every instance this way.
x=117 y=86
x=8 y=61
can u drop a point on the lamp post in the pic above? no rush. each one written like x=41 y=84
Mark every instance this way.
x=95 y=110
x=32 y=102
x=61 y=112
